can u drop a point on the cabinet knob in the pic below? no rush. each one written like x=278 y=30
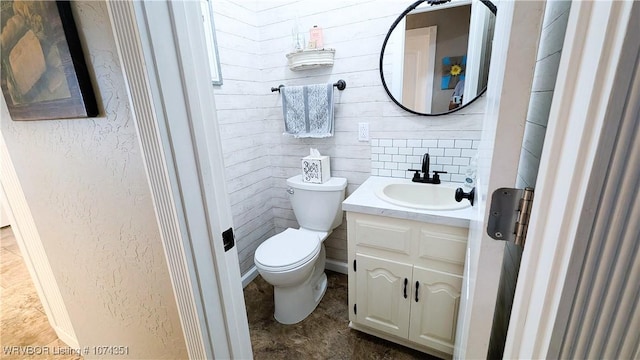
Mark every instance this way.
x=460 y=194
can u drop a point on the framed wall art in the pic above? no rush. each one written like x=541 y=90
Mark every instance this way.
x=44 y=74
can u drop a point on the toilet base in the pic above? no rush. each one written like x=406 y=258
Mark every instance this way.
x=294 y=303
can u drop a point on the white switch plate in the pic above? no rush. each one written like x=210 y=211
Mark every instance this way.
x=363 y=131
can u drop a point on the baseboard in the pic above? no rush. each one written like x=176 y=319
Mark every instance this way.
x=337 y=266
x=248 y=277
x=71 y=341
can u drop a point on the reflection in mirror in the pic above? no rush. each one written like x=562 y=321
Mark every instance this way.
x=435 y=59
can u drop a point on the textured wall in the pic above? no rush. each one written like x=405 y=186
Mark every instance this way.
x=253 y=39
x=85 y=184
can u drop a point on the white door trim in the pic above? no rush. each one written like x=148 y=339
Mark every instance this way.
x=161 y=44
x=592 y=50
x=513 y=59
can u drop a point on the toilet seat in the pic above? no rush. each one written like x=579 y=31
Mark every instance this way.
x=287 y=250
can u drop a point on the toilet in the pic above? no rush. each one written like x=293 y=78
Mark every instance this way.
x=293 y=260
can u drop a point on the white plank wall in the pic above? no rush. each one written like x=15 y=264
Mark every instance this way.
x=554 y=27
x=253 y=39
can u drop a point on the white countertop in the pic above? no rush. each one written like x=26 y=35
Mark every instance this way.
x=364 y=200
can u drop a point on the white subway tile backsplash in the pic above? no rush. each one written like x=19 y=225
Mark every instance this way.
x=452 y=152
x=429 y=143
x=451 y=169
x=445 y=143
x=468 y=153
x=398 y=173
x=444 y=160
x=414 y=159
x=400 y=143
x=413 y=143
x=392 y=157
x=463 y=144
x=420 y=151
x=405 y=151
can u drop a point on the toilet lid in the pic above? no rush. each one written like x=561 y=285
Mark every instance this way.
x=287 y=250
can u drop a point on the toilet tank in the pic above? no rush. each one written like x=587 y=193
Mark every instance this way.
x=317 y=206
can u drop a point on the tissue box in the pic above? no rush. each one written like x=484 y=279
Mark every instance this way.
x=316 y=169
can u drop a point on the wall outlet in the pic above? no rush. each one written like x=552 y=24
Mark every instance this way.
x=363 y=131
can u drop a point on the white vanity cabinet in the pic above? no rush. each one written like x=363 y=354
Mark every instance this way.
x=405 y=280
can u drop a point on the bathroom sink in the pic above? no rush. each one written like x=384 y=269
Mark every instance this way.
x=421 y=196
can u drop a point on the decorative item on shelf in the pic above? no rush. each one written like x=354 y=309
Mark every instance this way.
x=316 y=40
x=310 y=59
x=316 y=168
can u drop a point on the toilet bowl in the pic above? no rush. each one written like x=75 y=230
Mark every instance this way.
x=293 y=261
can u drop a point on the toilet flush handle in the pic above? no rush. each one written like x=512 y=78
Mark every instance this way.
x=290 y=191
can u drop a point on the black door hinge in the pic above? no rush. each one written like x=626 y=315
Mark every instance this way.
x=228 y=239
x=354 y=265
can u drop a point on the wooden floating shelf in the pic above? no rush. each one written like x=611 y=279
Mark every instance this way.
x=310 y=59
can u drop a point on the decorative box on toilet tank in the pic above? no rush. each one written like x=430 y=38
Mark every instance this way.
x=316 y=169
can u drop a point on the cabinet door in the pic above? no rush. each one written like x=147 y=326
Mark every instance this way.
x=435 y=313
x=380 y=299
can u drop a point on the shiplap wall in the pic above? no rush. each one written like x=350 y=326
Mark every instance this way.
x=554 y=27
x=240 y=104
x=253 y=39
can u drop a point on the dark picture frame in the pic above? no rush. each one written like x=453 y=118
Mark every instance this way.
x=44 y=74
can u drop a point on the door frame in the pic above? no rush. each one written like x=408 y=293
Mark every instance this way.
x=532 y=321
x=580 y=119
x=511 y=76
x=429 y=33
x=161 y=45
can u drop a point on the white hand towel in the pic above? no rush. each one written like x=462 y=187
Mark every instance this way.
x=308 y=110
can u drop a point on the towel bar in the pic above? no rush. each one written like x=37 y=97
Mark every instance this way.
x=341 y=85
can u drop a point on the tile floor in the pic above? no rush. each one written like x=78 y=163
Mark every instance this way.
x=325 y=334
x=23 y=322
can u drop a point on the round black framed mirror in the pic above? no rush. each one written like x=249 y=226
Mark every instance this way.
x=435 y=58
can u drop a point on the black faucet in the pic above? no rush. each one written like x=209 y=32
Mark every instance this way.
x=425 y=170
